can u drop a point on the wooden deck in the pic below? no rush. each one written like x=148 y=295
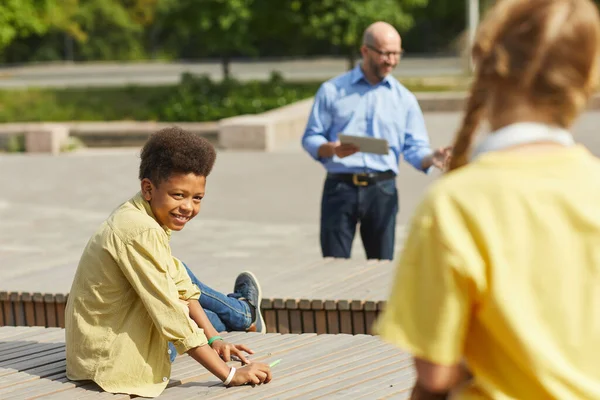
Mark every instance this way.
x=32 y=366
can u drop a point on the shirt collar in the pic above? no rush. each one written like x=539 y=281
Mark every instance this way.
x=523 y=133
x=358 y=75
x=141 y=204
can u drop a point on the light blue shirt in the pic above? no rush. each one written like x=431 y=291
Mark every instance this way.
x=349 y=104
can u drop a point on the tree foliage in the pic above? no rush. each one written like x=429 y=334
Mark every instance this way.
x=88 y=30
x=208 y=27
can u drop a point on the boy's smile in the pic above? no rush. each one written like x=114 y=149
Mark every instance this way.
x=175 y=201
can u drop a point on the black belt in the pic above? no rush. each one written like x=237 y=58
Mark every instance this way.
x=363 y=179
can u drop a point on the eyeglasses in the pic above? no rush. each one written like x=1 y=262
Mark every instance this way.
x=386 y=54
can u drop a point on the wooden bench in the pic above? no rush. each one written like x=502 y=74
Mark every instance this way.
x=32 y=366
x=281 y=315
x=325 y=296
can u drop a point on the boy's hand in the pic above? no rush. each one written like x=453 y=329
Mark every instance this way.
x=226 y=350
x=254 y=374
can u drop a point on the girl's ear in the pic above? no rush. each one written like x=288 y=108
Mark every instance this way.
x=146 y=189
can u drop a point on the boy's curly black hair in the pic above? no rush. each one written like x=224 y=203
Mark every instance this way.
x=174 y=150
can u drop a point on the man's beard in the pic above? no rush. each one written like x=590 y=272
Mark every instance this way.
x=379 y=69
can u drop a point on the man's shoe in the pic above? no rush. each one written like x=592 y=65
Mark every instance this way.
x=248 y=287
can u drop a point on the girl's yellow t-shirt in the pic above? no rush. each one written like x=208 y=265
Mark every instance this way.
x=501 y=268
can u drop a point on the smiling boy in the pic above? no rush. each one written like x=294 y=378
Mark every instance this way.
x=133 y=306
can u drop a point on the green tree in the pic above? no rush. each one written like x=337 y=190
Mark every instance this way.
x=212 y=27
x=24 y=18
x=114 y=29
x=342 y=22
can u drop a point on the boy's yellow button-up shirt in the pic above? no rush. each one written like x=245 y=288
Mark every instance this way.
x=501 y=268
x=124 y=308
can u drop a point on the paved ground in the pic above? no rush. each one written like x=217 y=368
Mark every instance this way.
x=159 y=73
x=261 y=210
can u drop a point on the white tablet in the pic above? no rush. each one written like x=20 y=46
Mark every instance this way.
x=366 y=144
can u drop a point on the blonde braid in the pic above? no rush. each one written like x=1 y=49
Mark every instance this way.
x=473 y=115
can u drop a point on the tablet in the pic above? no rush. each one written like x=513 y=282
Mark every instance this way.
x=366 y=144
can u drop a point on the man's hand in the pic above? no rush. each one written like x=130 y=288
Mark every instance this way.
x=330 y=149
x=226 y=350
x=439 y=158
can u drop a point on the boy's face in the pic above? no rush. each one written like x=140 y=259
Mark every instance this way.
x=175 y=201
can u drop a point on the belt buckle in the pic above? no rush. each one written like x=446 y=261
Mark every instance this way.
x=357 y=182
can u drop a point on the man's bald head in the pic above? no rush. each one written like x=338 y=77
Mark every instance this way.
x=379 y=32
x=381 y=50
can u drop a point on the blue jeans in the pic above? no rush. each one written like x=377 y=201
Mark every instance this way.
x=225 y=312
x=344 y=205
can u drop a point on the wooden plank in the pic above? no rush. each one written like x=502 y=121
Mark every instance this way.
x=370 y=308
x=290 y=360
x=2 y=295
x=33 y=374
x=325 y=370
x=32 y=361
x=27 y=338
x=312 y=366
x=308 y=316
x=363 y=283
x=336 y=289
x=325 y=347
x=320 y=317
x=33 y=348
x=40 y=312
x=61 y=304
x=349 y=379
x=29 y=309
x=9 y=318
x=50 y=310
x=295 y=316
x=333 y=318
x=11 y=336
x=269 y=315
x=283 y=323
x=18 y=310
x=396 y=386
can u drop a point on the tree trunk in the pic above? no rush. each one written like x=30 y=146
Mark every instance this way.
x=153 y=42
x=69 y=48
x=351 y=59
x=226 y=64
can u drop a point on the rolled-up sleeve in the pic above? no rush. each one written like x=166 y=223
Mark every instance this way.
x=144 y=261
x=319 y=122
x=187 y=290
x=416 y=140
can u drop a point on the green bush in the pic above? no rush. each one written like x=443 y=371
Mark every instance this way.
x=193 y=99
x=200 y=99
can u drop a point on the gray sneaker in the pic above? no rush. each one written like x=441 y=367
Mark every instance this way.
x=248 y=287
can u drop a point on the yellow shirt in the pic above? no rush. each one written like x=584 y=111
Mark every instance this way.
x=124 y=305
x=502 y=268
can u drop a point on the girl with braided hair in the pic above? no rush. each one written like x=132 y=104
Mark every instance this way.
x=497 y=293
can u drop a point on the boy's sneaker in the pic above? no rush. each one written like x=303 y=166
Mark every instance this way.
x=248 y=287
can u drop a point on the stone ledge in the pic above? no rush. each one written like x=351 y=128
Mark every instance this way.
x=49 y=137
x=268 y=131
x=275 y=129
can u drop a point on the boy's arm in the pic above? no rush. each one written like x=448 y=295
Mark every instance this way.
x=144 y=260
x=187 y=290
x=225 y=350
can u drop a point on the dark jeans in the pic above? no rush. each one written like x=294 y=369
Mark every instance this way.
x=344 y=205
x=225 y=312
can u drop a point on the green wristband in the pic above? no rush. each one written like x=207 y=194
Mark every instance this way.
x=212 y=339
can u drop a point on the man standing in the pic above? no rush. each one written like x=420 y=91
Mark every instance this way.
x=361 y=187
